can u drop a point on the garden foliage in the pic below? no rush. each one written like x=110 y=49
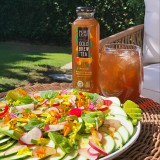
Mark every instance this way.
x=50 y=20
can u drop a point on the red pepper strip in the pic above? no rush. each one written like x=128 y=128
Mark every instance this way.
x=6 y=108
x=75 y=111
x=107 y=102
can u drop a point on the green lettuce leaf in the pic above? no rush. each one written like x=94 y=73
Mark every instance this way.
x=33 y=123
x=60 y=141
x=25 y=100
x=49 y=94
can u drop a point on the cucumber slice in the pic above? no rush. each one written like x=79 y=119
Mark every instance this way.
x=70 y=156
x=4 y=140
x=84 y=142
x=125 y=122
x=80 y=157
x=11 y=151
x=114 y=110
x=118 y=140
x=14 y=149
x=108 y=144
x=124 y=134
x=51 y=144
x=2 y=135
x=7 y=145
x=44 y=158
x=60 y=154
x=2 y=154
x=16 y=157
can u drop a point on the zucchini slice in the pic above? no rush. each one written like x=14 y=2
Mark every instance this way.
x=108 y=144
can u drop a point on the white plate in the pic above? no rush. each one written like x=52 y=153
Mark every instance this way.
x=131 y=141
x=126 y=146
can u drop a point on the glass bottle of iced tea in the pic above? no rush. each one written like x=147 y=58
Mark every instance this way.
x=85 y=49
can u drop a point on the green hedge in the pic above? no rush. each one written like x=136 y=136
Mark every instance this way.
x=50 y=20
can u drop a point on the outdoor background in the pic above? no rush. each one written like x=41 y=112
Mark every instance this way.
x=35 y=35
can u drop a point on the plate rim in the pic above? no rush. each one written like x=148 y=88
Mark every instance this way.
x=131 y=141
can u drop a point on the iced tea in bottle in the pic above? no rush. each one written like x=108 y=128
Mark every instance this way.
x=85 y=49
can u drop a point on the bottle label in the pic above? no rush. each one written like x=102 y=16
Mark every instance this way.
x=84 y=59
x=83 y=42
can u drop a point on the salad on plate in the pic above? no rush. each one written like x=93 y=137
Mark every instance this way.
x=64 y=124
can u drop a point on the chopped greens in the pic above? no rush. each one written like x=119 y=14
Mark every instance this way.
x=61 y=124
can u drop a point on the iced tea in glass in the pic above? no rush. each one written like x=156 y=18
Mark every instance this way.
x=121 y=71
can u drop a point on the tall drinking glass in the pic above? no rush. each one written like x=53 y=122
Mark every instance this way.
x=121 y=71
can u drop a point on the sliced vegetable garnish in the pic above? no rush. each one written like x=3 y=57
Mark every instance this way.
x=4 y=111
x=65 y=124
x=75 y=111
x=133 y=111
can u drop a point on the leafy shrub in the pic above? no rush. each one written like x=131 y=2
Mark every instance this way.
x=50 y=20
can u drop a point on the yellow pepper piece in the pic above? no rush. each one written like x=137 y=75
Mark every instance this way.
x=22 y=120
x=24 y=151
x=42 y=141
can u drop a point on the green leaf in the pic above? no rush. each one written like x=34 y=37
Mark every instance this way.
x=33 y=123
x=49 y=95
x=61 y=141
x=27 y=110
x=92 y=96
x=33 y=141
x=25 y=100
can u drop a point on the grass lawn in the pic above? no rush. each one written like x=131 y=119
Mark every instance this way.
x=24 y=64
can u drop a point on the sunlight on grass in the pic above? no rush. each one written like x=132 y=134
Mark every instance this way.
x=10 y=83
x=51 y=59
x=22 y=63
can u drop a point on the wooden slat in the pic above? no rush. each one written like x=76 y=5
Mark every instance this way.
x=125 y=36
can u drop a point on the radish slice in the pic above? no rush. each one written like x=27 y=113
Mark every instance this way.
x=112 y=123
x=98 y=137
x=34 y=133
x=103 y=108
x=52 y=109
x=84 y=152
x=97 y=148
x=55 y=127
x=107 y=102
x=72 y=100
x=37 y=112
x=93 y=152
x=55 y=104
x=26 y=106
x=43 y=102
